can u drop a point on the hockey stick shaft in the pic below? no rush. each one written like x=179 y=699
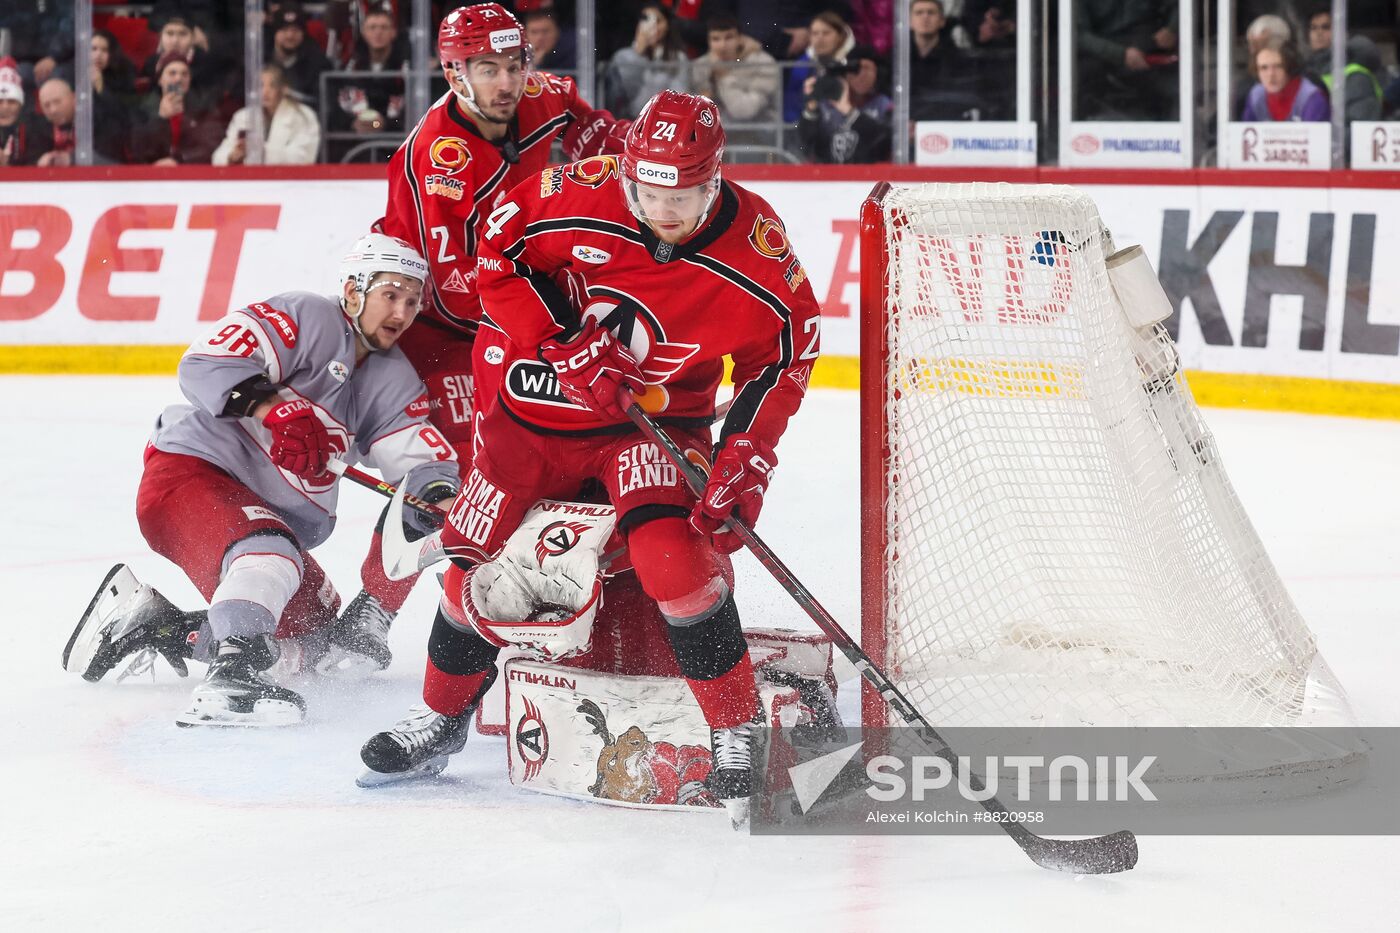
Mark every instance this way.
x=1115 y=852
x=361 y=478
x=387 y=490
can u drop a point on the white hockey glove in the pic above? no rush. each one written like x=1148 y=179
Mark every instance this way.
x=541 y=592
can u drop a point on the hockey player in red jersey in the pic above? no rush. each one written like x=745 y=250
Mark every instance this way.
x=492 y=129
x=640 y=273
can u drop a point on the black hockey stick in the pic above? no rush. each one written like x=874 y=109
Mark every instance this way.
x=1095 y=856
x=422 y=506
x=386 y=489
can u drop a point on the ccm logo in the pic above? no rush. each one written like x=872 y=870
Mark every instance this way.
x=658 y=174
x=582 y=357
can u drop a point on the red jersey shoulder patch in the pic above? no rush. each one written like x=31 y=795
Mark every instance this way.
x=282 y=323
x=418 y=408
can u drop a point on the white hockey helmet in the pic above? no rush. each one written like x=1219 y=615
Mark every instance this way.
x=370 y=255
x=374 y=253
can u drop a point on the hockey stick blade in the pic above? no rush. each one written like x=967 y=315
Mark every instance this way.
x=1115 y=852
x=1100 y=855
x=403 y=558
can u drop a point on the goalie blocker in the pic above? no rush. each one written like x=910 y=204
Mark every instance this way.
x=595 y=705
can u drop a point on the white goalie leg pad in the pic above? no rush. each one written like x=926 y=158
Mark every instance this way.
x=542 y=591
x=260 y=576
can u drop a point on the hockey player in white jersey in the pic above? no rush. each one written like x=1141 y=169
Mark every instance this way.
x=237 y=486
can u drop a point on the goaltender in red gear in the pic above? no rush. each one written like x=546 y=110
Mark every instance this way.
x=493 y=129
x=641 y=272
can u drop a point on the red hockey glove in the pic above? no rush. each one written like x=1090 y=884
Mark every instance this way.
x=597 y=133
x=300 y=442
x=736 y=486
x=592 y=369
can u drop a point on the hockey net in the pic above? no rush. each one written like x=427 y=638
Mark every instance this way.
x=1049 y=536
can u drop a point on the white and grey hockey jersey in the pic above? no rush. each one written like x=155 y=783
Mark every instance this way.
x=375 y=412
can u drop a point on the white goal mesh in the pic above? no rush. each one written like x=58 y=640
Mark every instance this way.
x=1061 y=543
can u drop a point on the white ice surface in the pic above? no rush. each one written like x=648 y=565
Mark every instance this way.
x=114 y=819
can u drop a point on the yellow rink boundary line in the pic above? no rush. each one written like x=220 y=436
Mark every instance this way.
x=1217 y=390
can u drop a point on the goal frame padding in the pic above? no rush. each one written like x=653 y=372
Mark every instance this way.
x=874 y=293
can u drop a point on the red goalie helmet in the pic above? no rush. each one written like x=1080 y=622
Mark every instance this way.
x=675 y=142
x=480 y=29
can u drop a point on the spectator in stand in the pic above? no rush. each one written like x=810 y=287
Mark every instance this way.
x=179 y=125
x=543 y=33
x=845 y=120
x=40 y=38
x=938 y=69
x=374 y=103
x=653 y=63
x=113 y=74
x=302 y=61
x=177 y=37
x=741 y=77
x=1364 y=94
x=24 y=137
x=831 y=40
x=991 y=24
x=562 y=55
x=291 y=131
x=1283 y=93
x=1127 y=59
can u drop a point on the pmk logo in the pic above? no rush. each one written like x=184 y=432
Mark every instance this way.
x=450 y=154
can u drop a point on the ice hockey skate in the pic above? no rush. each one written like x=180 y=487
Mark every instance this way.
x=128 y=619
x=359 y=640
x=235 y=694
x=417 y=747
x=731 y=778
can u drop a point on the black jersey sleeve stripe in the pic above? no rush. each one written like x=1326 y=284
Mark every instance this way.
x=545 y=130
x=748 y=402
x=592 y=224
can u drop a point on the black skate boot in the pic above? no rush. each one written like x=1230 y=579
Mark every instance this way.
x=418 y=746
x=127 y=618
x=731 y=775
x=235 y=694
x=359 y=640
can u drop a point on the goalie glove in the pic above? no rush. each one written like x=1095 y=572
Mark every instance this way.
x=592 y=369
x=541 y=592
x=738 y=480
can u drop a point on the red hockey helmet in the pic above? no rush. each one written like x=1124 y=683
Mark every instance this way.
x=480 y=29
x=676 y=142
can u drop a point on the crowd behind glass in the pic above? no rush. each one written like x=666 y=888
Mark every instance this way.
x=796 y=80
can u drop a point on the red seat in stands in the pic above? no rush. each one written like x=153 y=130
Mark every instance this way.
x=133 y=34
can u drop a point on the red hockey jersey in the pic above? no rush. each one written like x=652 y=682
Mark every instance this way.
x=446 y=177
x=566 y=241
